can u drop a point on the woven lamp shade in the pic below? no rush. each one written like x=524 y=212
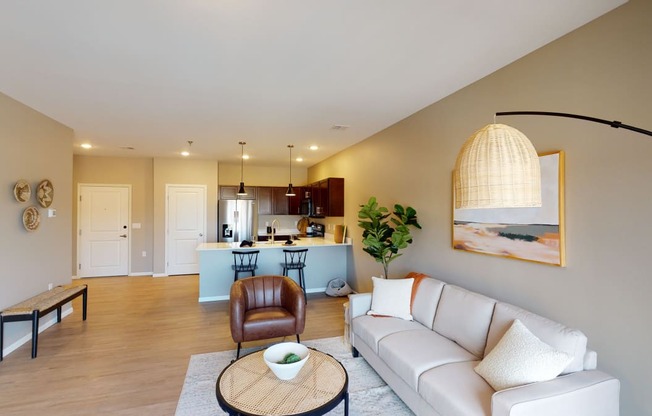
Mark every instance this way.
x=497 y=168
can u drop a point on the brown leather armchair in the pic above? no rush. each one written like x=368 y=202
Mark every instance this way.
x=265 y=307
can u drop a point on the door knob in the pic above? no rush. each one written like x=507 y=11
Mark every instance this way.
x=201 y=235
x=123 y=235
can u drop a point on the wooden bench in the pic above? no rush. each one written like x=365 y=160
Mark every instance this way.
x=38 y=306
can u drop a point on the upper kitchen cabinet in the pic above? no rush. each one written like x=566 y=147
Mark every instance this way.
x=265 y=200
x=294 y=202
x=272 y=201
x=280 y=201
x=328 y=197
x=231 y=192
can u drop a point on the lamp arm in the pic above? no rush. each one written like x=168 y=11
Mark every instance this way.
x=614 y=124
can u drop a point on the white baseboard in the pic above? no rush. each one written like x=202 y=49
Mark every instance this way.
x=142 y=274
x=213 y=298
x=316 y=290
x=75 y=277
x=159 y=275
x=43 y=325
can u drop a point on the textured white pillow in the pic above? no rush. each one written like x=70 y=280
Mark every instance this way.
x=521 y=358
x=391 y=297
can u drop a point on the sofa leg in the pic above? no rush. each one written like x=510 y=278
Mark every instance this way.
x=237 y=354
x=355 y=352
x=298 y=340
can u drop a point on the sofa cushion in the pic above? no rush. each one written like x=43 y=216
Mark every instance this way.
x=558 y=336
x=455 y=389
x=410 y=353
x=521 y=358
x=464 y=317
x=391 y=297
x=426 y=300
x=371 y=329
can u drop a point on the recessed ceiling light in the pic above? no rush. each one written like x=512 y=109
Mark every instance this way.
x=185 y=153
x=299 y=159
x=314 y=147
x=86 y=145
x=126 y=148
x=339 y=127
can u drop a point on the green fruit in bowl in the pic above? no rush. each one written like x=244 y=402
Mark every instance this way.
x=290 y=358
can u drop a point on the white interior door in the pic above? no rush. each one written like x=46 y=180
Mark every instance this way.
x=103 y=223
x=186 y=227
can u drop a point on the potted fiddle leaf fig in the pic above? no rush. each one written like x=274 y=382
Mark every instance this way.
x=385 y=232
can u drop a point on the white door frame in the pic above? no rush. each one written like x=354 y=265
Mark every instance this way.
x=119 y=185
x=167 y=217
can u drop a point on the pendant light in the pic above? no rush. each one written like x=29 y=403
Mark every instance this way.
x=290 y=191
x=497 y=168
x=241 y=189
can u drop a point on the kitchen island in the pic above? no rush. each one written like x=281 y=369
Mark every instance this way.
x=326 y=260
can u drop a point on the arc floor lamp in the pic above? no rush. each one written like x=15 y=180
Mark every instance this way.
x=498 y=167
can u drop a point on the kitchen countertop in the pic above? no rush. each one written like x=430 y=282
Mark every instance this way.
x=303 y=242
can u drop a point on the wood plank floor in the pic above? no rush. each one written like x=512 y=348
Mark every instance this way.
x=130 y=357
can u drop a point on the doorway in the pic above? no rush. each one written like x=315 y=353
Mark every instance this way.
x=185 y=213
x=103 y=213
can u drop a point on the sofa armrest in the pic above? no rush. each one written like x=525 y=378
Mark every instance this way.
x=359 y=304
x=584 y=393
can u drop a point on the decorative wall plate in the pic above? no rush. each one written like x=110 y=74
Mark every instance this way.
x=22 y=191
x=31 y=218
x=45 y=193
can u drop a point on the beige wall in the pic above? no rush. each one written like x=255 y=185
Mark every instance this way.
x=262 y=175
x=34 y=147
x=601 y=70
x=137 y=172
x=182 y=172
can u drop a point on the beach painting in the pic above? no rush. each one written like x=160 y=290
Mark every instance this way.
x=532 y=234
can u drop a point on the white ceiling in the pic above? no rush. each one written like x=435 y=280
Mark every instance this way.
x=153 y=74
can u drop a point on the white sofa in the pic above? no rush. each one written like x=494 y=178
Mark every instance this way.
x=429 y=362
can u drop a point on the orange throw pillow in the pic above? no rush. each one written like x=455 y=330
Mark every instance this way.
x=418 y=277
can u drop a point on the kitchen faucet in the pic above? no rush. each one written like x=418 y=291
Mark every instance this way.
x=274 y=228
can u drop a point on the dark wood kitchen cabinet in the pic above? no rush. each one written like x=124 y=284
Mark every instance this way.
x=272 y=200
x=280 y=201
x=231 y=192
x=265 y=200
x=328 y=197
x=294 y=202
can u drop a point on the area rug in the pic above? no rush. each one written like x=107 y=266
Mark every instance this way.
x=368 y=393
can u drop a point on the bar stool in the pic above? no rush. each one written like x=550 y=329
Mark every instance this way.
x=244 y=262
x=296 y=260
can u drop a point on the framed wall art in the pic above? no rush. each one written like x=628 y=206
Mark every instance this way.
x=531 y=234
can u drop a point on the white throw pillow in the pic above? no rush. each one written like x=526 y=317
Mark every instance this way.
x=391 y=297
x=521 y=358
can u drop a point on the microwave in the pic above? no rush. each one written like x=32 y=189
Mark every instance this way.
x=306 y=207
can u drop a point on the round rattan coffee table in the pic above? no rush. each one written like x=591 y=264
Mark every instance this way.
x=248 y=387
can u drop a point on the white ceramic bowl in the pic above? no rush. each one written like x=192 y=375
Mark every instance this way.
x=277 y=352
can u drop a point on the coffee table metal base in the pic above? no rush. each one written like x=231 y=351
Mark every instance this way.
x=248 y=387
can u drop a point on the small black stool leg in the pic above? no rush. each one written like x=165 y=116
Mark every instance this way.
x=84 y=302
x=35 y=319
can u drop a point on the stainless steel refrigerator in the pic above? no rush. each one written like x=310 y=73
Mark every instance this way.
x=237 y=220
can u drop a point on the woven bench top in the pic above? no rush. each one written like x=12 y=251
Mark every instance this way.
x=250 y=386
x=42 y=300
